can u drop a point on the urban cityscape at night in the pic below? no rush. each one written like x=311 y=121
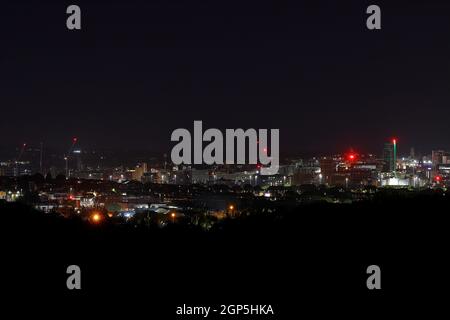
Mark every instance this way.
x=88 y=185
x=220 y=159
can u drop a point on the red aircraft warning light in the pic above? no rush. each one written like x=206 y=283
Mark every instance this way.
x=352 y=156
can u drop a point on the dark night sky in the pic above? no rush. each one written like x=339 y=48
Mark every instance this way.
x=140 y=69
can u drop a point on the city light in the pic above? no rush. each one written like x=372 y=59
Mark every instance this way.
x=348 y=169
x=351 y=156
x=96 y=218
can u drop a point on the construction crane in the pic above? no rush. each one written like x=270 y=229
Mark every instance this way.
x=41 y=158
x=66 y=158
x=22 y=150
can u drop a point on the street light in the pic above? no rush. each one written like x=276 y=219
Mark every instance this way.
x=96 y=218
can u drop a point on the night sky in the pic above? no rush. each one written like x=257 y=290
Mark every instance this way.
x=140 y=69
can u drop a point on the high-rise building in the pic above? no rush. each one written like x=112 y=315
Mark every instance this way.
x=139 y=171
x=390 y=156
x=437 y=157
x=327 y=169
x=79 y=161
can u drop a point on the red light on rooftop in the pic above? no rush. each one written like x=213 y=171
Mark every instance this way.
x=351 y=156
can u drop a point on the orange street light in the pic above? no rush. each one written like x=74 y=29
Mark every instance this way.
x=96 y=218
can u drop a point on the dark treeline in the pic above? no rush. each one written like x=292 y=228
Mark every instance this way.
x=319 y=249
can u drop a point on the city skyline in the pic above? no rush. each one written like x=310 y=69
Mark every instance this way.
x=110 y=166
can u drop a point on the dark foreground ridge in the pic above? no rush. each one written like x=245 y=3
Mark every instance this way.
x=308 y=258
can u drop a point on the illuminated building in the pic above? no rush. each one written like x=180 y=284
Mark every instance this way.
x=305 y=175
x=327 y=169
x=139 y=171
x=202 y=176
x=440 y=157
x=390 y=156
